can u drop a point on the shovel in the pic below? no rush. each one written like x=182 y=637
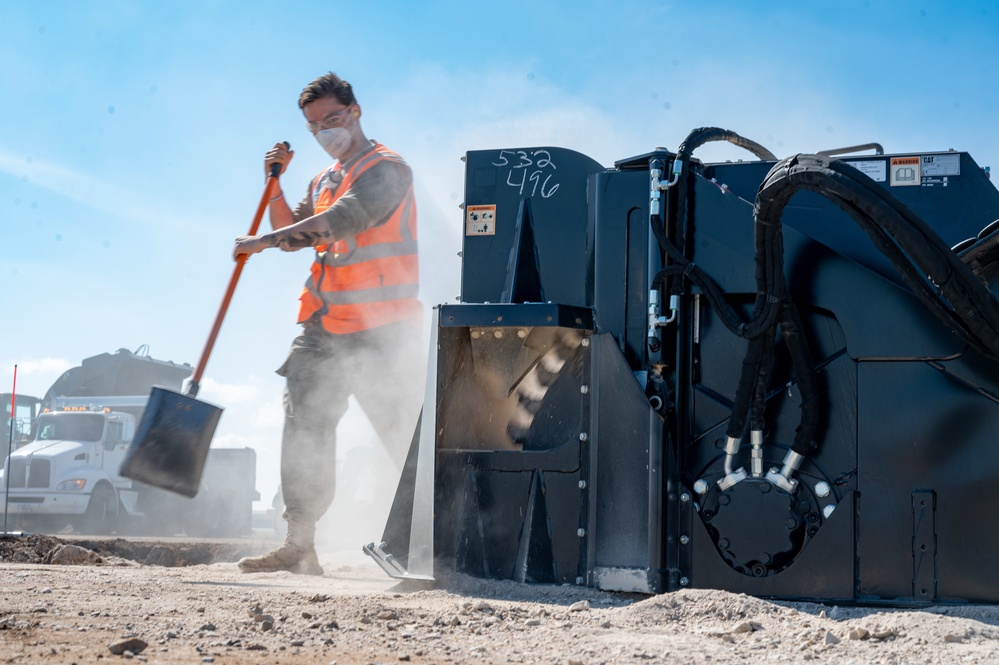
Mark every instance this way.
x=172 y=439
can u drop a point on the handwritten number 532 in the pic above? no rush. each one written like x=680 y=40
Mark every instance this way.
x=523 y=177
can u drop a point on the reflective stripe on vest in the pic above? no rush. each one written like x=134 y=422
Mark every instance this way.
x=371 y=279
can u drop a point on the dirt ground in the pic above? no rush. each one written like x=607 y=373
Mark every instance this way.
x=87 y=601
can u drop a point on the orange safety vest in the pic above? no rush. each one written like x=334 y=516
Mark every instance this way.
x=370 y=279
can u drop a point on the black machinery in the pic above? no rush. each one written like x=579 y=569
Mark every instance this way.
x=771 y=377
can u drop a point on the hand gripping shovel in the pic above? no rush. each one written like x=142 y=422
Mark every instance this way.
x=172 y=440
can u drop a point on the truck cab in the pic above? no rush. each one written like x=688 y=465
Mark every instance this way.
x=26 y=409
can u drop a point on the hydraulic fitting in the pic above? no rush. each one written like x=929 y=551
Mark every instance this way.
x=731 y=478
x=732 y=446
x=655 y=186
x=653 y=312
x=677 y=170
x=756 y=439
x=655 y=320
x=782 y=478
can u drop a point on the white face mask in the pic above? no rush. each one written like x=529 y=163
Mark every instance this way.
x=334 y=141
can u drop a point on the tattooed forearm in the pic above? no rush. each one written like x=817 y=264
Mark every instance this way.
x=289 y=242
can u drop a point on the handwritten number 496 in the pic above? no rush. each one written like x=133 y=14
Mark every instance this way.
x=522 y=161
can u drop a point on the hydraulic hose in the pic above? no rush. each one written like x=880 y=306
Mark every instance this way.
x=751 y=392
x=929 y=267
x=804 y=369
x=762 y=383
x=695 y=139
x=749 y=384
x=936 y=275
x=698 y=137
x=765 y=314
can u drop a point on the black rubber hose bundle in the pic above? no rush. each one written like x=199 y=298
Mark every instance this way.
x=756 y=421
x=698 y=137
x=751 y=392
x=804 y=369
x=765 y=313
x=755 y=366
x=695 y=139
x=936 y=275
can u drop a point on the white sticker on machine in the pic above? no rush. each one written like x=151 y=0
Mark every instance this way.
x=904 y=172
x=941 y=165
x=876 y=170
x=480 y=220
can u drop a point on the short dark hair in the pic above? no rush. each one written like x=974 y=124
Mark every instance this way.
x=327 y=85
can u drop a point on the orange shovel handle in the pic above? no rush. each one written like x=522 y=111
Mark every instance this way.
x=265 y=198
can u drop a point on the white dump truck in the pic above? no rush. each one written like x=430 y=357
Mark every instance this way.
x=67 y=472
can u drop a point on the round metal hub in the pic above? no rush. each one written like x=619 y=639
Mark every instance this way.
x=757 y=528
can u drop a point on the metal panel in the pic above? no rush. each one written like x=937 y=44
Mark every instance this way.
x=627 y=472
x=554 y=179
x=922 y=430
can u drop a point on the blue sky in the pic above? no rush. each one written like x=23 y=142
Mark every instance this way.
x=132 y=138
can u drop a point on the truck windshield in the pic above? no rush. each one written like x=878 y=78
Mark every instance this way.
x=70 y=427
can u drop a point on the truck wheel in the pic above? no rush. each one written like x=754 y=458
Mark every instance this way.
x=102 y=511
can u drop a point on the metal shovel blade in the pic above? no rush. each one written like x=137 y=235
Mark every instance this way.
x=171 y=442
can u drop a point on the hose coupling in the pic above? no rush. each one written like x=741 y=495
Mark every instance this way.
x=732 y=446
x=653 y=312
x=756 y=439
x=732 y=479
x=655 y=186
x=677 y=171
x=655 y=320
x=736 y=476
x=782 y=478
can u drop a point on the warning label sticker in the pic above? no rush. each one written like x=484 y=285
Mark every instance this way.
x=940 y=165
x=480 y=220
x=904 y=171
x=876 y=170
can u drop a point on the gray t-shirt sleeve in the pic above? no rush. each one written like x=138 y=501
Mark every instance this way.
x=303 y=209
x=368 y=203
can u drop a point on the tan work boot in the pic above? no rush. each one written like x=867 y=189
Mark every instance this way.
x=294 y=558
x=297 y=554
